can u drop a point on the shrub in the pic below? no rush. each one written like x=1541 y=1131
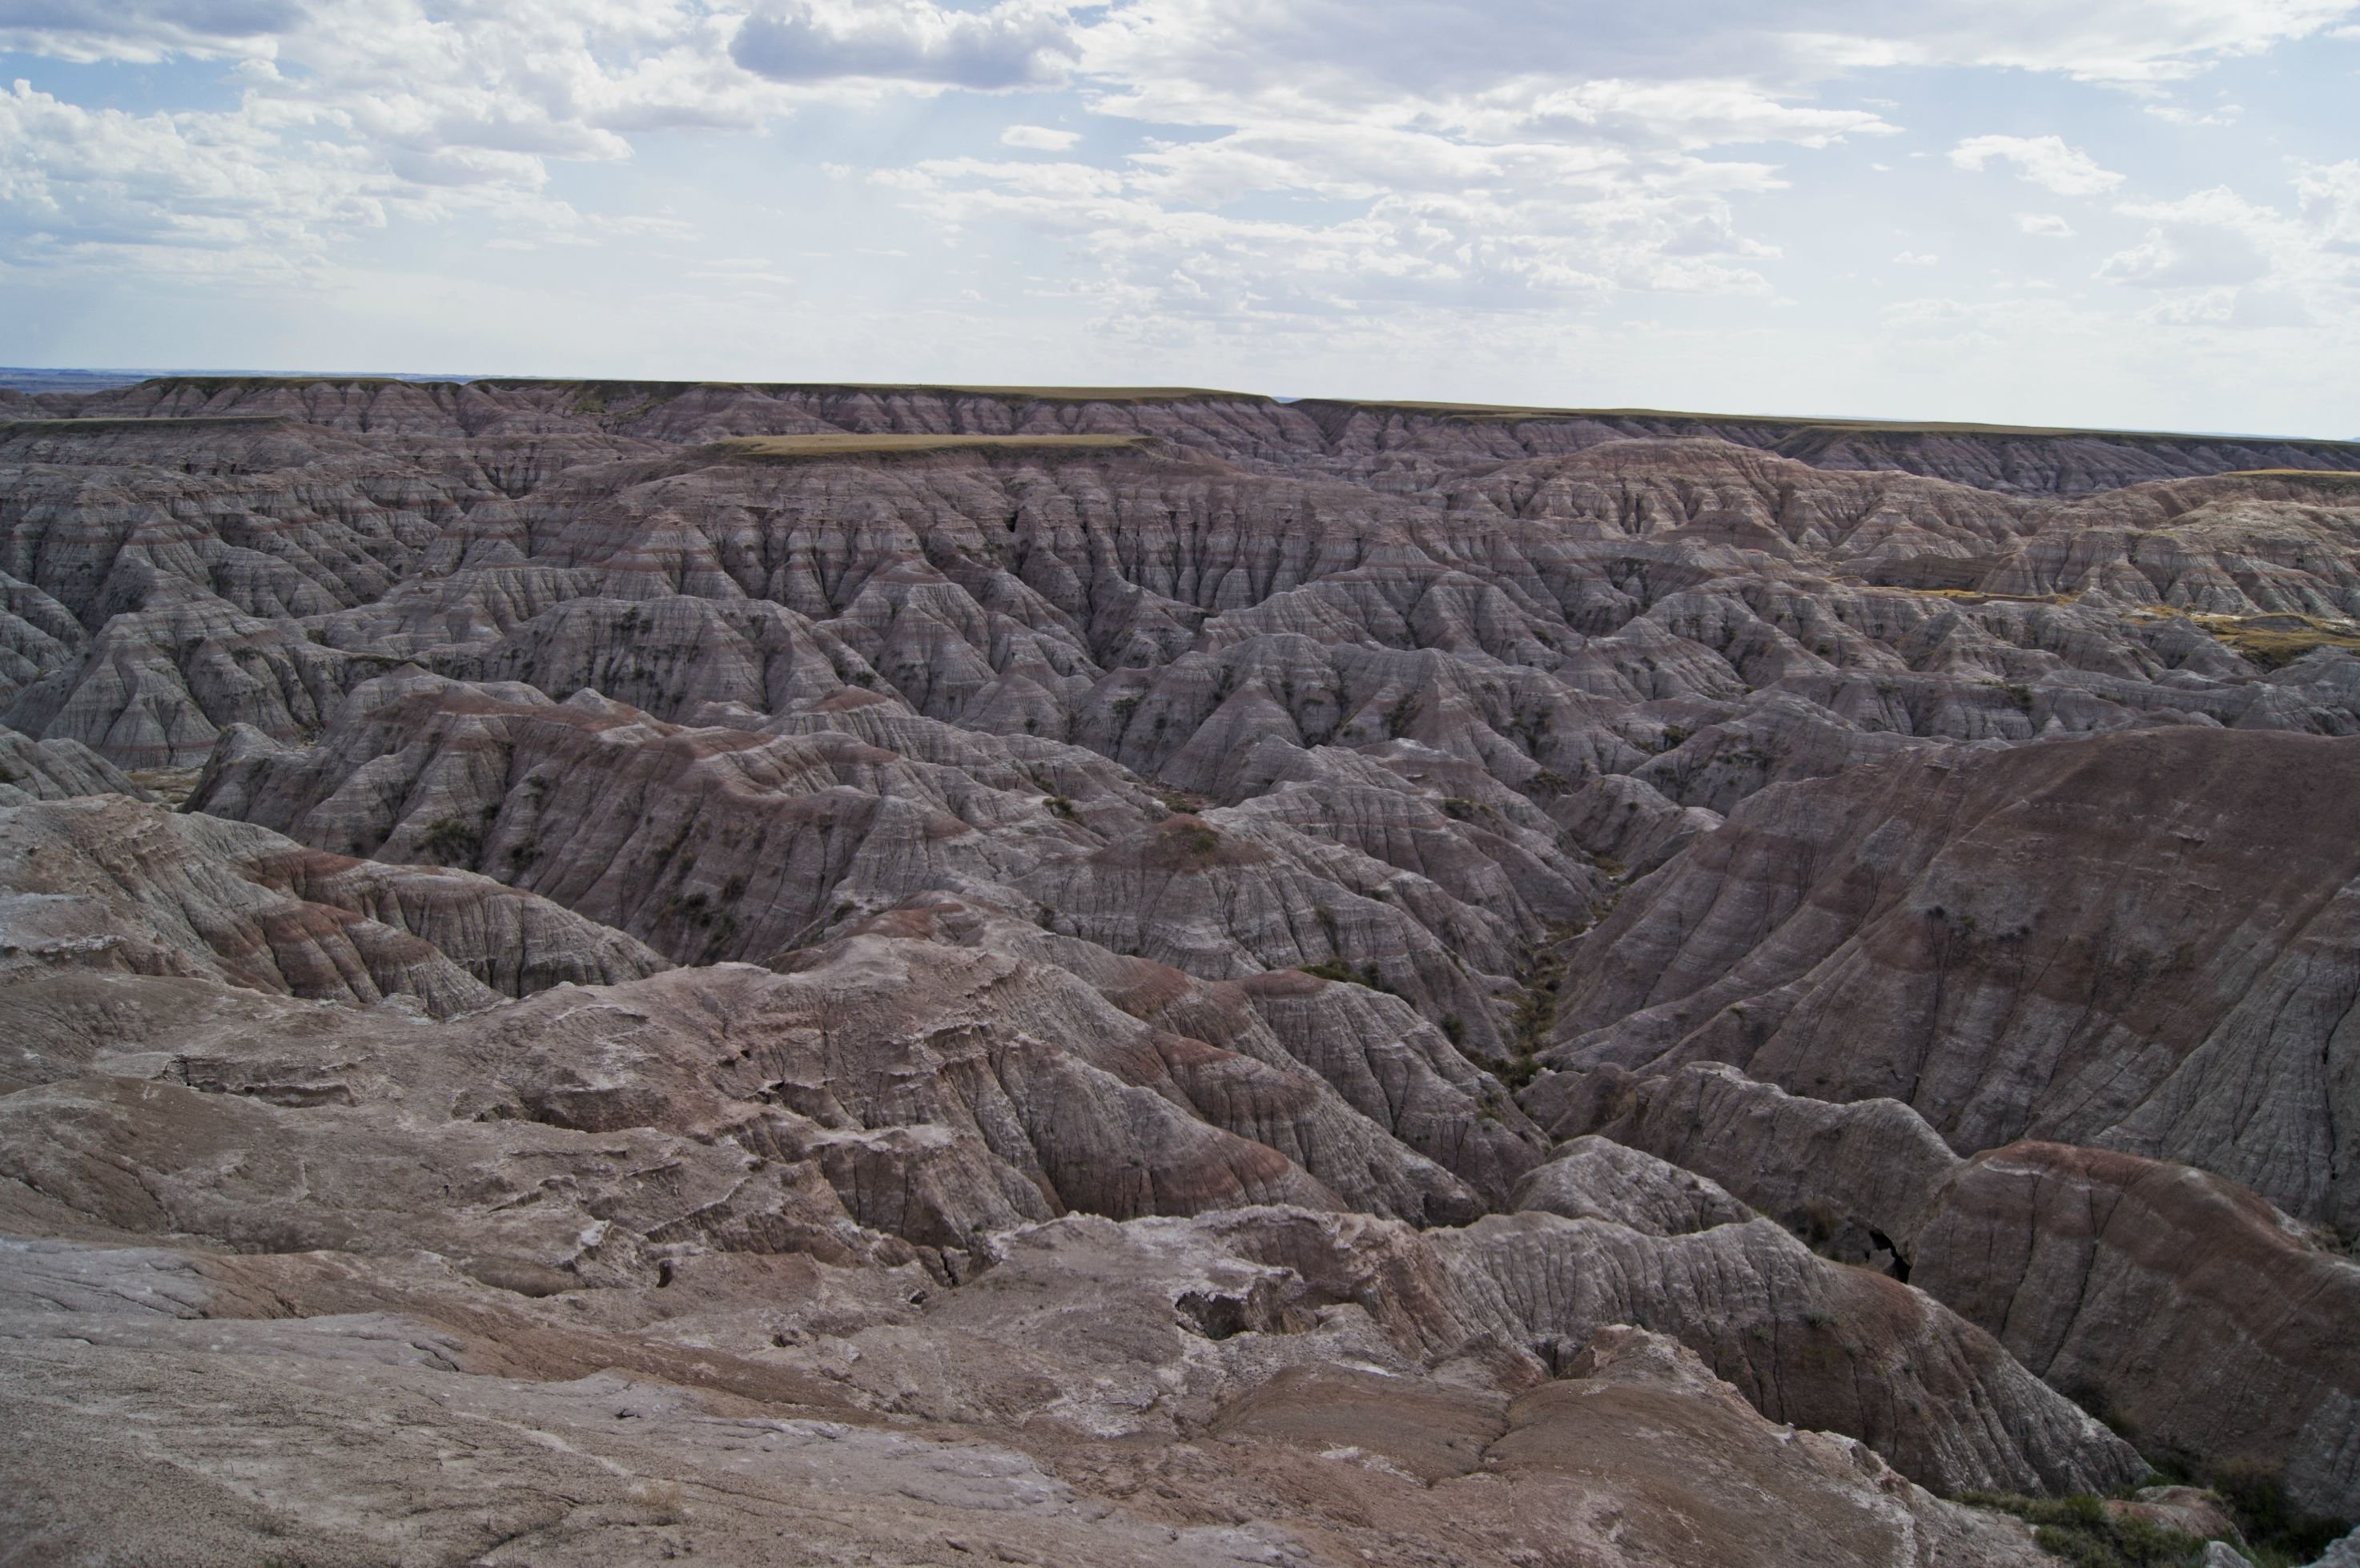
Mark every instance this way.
x=2259 y=1503
x=450 y=840
x=2079 y=1531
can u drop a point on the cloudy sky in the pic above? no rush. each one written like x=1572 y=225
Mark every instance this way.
x=2124 y=213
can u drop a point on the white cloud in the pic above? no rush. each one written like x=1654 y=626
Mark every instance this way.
x=2046 y=162
x=1011 y=44
x=2222 y=260
x=1038 y=138
x=144 y=30
x=2174 y=113
x=348 y=115
x=189 y=192
x=2330 y=194
x=1183 y=58
x=1320 y=177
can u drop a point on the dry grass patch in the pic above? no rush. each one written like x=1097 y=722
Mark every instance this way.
x=2323 y=475
x=1977 y=596
x=2271 y=640
x=1799 y=424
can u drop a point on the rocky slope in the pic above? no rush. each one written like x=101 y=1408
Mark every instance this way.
x=2142 y=941
x=2094 y=1267
x=839 y=974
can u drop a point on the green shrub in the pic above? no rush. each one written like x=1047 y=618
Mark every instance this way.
x=2079 y=1531
x=2259 y=1503
x=450 y=841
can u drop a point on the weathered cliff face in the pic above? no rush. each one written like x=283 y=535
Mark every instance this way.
x=1024 y=954
x=2144 y=941
x=105 y=883
x=2094 y=1268
x=899 y=1101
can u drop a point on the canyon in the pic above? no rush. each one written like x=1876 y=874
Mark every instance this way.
x=597 y=971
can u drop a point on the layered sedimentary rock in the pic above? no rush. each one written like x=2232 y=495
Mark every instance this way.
x=2099 y=1270
x=901 y=1101
x=592 y=1446
x=54 y=769
x=2096 y=1268
x=107 y=883
x=2143 y=941
x=935 y=973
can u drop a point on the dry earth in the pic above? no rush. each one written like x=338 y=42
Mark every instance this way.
x=598 y=972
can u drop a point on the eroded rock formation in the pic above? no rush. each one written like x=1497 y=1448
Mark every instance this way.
x=1160 y=977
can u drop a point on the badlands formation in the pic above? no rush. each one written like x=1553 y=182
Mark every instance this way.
x=603 y=973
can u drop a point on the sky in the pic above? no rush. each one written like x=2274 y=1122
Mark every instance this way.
x=2129 y=214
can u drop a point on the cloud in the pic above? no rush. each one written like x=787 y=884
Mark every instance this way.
x=2046 y=162
x=1183 y=56
x=2173 y=114
x=1038 y=138
x=2220 y=259
x=2210 y=239
x=1914 y=259
x=2241 y=309
x=2330 y=195
x=143 y=30
x=1319 y=173
x=348 y=115
x=1013 y=44
x=189 y=192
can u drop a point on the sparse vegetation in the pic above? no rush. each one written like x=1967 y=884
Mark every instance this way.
x=1977 y=596
x=452 y=840
x=1401 y=714
x=1535 y=1011
x=2270 y=641
x=1368 y=977
x=2275 y=1527
x=2078 y=1530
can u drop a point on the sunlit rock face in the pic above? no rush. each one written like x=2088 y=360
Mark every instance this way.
x=1160 y=977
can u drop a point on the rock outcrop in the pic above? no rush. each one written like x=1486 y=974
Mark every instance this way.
x=2206 y=1324
x=949 y=974
x=2140 y=942
x=107 y=883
